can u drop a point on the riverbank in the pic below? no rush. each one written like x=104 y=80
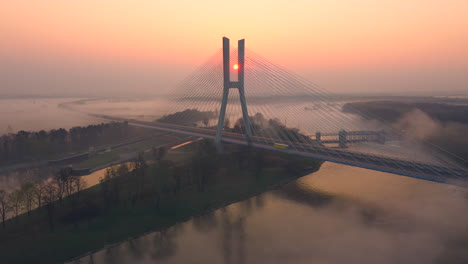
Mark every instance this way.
x=169 y=191
x=391 y=111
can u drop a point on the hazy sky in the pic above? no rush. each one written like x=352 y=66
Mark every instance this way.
x=96 y=47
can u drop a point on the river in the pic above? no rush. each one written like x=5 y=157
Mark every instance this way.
x=34 y=114
x=339 y=214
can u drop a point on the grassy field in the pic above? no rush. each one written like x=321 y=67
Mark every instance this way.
x=28 y=239
x=115 y=154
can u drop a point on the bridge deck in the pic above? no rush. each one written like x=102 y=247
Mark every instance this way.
x=379 y=163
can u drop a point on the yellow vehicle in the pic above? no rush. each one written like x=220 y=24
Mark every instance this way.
x=280 y=146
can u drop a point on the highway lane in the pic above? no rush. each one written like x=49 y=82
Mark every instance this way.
x=385 y=164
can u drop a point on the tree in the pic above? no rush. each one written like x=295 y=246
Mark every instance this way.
x=159 y=153
x=38 y=192
x=62 y=180
x=15 y=199
x=140 y=167
x=187 y=117
x=4 y=206
x=105 y=183
x=49 y=197
x=123 y=170
x=163 y=181
x=78 y=184
x=28 y=191
x=206 y=121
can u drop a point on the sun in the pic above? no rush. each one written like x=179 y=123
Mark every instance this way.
x=235 y=66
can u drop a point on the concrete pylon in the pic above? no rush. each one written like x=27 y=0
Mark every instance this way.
x=228 y=84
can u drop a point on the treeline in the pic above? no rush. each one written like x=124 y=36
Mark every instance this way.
x=58 y=197
x=139 y=183
x=188 y=117
x=30 y=146
x=448 y=131
x=33 y=195
x=269 y=128
x=391 y=111
x=143 y=195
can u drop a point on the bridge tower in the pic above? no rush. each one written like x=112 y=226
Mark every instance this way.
x=228 y=84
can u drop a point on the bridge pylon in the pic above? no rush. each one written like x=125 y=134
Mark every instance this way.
x=228 y=84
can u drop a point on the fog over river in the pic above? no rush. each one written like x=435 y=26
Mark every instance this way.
x=34 y=114
x=340 y=214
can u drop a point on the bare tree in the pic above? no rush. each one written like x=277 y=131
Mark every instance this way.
x=62 y=181
x=39 y=192
x=15 y=200
x=105 y=183
x=140 y=167
x=4 y=206
x=27 y=190
x=78 y=184
x=49 y=197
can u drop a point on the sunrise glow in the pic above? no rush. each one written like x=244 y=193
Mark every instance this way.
x=333 y=41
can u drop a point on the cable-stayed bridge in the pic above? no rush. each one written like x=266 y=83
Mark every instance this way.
x=252 y=101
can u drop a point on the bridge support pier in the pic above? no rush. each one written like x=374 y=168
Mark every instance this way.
x=228 y=84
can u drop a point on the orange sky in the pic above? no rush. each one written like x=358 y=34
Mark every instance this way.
x=324 y=40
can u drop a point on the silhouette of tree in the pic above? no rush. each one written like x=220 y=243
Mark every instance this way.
x=105 y=184
x=49 y=197
x=206 y=121
x=62 y=180
x=15 y=199
x=4 y=206
x=163 y=181
x=187 y=117
x=38 y=192
x=78 y=185
x=140 y=167
x=31 y=146
x=28 y=190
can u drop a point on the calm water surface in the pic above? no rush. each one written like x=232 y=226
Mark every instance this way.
x=337 y=215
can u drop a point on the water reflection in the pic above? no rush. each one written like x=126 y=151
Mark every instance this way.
x=337 y=215
x=233 y=237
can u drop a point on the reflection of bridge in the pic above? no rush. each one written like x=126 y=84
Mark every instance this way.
x=209 y=90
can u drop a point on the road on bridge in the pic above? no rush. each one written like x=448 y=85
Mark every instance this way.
x=379 y=163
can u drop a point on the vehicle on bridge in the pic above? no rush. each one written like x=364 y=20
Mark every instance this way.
x=280 y=146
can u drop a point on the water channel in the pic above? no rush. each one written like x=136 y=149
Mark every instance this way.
x=339 y=214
